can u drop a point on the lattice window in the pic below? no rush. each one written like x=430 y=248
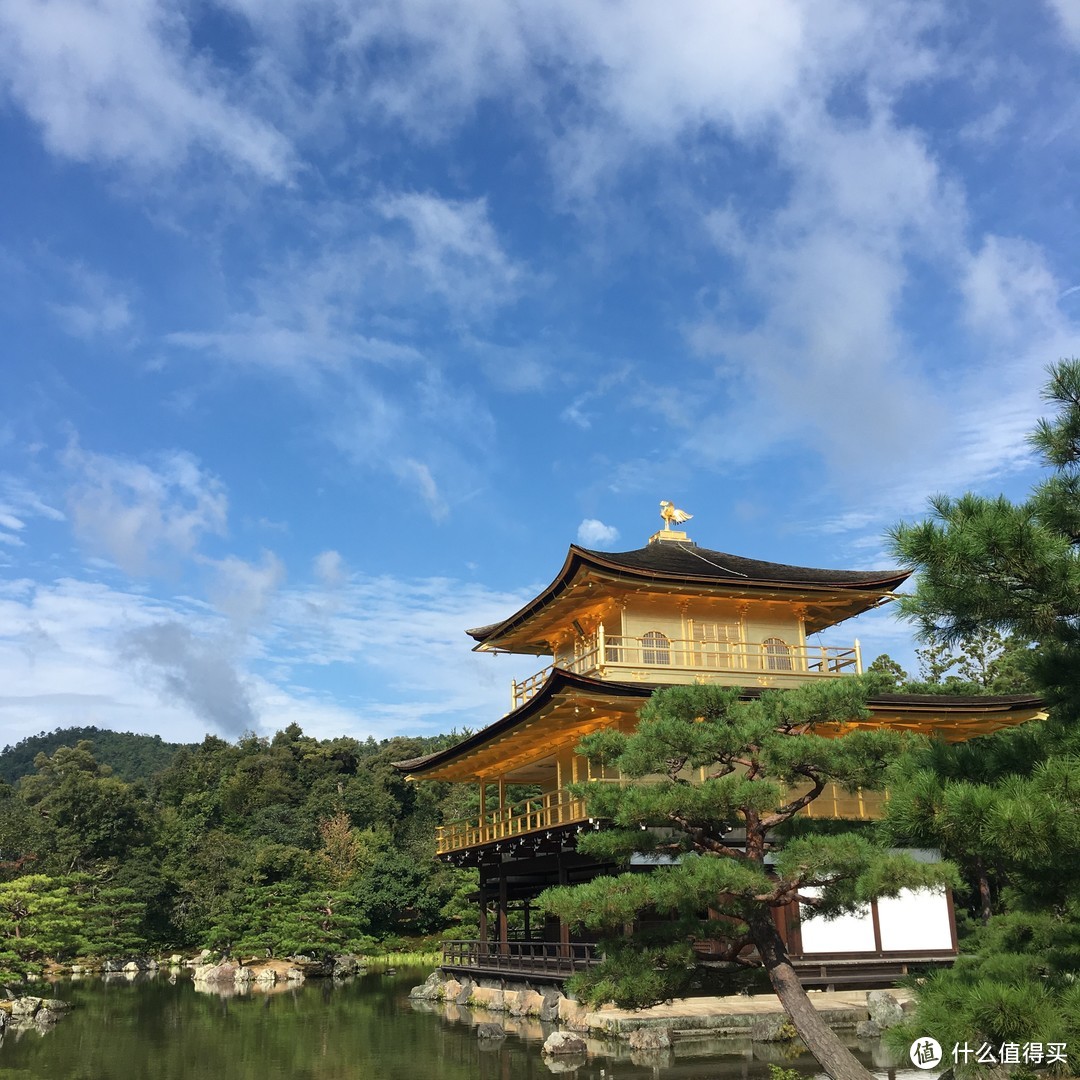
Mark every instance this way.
x=655 y=648
x=715 y=644
x=777 y=654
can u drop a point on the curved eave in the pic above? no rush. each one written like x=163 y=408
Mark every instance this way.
x=951 y=717
x=558 y=682
x=946 y=716
x=579 y=559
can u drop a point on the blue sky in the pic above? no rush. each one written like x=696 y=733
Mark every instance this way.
x=328 y=325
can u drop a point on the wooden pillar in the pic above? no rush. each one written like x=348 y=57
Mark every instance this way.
x=503 y=923
x=564 y=926
x=526 y=912
x=483 y=907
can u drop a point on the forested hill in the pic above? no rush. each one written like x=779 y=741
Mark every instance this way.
x=131 y=757
x=266 y=846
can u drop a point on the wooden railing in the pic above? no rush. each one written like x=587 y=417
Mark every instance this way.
x=555 y=808
x=530 y=815
x=631 y=658
x=525 y=957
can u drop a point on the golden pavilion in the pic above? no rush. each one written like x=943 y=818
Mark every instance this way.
x=614 y=626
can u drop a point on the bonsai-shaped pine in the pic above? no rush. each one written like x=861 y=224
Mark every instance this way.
x=711 y=779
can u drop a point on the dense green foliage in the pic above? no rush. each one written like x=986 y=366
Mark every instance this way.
x=266 y=846
x=764 y=761
x=987 y=662
x=131 y=757
x=1006 y=807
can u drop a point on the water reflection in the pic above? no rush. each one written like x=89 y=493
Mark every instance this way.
x=364 y=1028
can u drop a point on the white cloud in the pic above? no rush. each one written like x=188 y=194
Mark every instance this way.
x=404 y=642
x=18 y=501
x=330 y=569
x=244 y=590
x=140 y=514
x=116 y=81
x=78 y=652
x=988 y=127
x=1009 y=291
x=1068 y=12
x=100 y=308
x=419 y=476
x=456 y=250
x=60 y=660
x=594 y=533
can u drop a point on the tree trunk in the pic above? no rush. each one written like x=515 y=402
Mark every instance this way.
x=986 y=907
x=820 y=1039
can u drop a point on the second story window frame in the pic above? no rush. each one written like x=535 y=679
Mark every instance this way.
x=655 y=648
x=777 y=654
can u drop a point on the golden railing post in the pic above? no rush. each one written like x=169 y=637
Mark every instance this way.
x=600 y=648
x=858 y=657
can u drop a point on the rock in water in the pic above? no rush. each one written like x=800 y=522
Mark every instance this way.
x=774 y=1027
x=564 y=1042
x=490 y=1031
x=884 y=1008
x=650 y=1038
x=208 y=973
x=430 y=990
x=345 y=965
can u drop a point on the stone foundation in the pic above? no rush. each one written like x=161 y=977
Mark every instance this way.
x=758 y=1019
x=518 y=999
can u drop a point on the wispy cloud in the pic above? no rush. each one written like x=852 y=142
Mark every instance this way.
x=1068 y=12
x=455 y=249
x=78 y=652
x=99 y=306
x=118 y=82
x=142 y=515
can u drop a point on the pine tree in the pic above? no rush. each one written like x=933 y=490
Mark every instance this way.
x=38 y=920
x=990 y=564
x=1007 y=806
x=764 y=761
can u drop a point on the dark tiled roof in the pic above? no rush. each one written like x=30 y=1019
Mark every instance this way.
x=978 y=702
x=690 y=561
x=673 y=561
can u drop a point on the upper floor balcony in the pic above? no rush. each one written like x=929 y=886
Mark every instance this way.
x=552 y=809
x=654 y=657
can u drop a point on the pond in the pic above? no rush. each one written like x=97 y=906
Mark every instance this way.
x=366 y=1027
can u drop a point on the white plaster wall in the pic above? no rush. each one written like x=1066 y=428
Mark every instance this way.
x=846 y=933
x=915 y=920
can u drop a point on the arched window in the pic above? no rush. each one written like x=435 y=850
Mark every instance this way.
x=655 y=648
x=777 y=654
